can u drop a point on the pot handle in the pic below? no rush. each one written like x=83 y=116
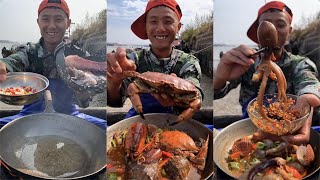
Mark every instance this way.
x=48 y=102
x=8 y=169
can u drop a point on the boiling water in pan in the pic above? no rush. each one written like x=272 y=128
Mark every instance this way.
x=53 y=156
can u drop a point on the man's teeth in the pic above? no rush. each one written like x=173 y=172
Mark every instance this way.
x=51 y=33
x=160 y=37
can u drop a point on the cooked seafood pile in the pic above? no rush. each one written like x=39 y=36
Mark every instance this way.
x=145 y=151
x=269 y=159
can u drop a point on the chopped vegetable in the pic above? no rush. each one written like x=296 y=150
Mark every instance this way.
x=261 y=145
x=112 y=176
x=289 y=159
x=235 y=155
x=254 y=161
x=113 y=143
x=234 y=165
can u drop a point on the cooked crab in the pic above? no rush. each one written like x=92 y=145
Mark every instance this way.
x=184 y=93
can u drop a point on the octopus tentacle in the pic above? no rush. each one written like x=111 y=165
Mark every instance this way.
x=261 y=93
x=282 y=83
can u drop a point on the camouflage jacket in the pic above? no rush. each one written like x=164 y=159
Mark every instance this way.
x=300 y=72
x=34 y=58
x=184 y=65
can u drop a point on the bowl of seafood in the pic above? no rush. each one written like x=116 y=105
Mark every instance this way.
x=242 y=155
x=279 y=117
x=21 y=88
x=152 y=149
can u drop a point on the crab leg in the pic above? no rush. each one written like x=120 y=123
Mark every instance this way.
x=187 y=114
x=133 y=92
x=135 y=140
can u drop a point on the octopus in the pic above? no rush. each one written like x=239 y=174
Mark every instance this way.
x=268 y=38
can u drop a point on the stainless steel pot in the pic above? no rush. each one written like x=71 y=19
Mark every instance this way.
x=52 y=145
x=192 y=127
x=226 y=137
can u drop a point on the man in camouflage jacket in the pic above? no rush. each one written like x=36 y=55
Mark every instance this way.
x=160 y=57
x=235 y=67
x=53 y=20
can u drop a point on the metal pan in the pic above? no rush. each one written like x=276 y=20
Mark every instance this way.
x=225 y=139
x=52 y=145
x=192 y=127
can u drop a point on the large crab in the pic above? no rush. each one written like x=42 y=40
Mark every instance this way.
x=184 y=93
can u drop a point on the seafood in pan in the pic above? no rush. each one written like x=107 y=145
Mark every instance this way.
x=145 y=151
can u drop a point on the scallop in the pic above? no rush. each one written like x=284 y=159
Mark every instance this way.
x=305 y=154
x=243 y=145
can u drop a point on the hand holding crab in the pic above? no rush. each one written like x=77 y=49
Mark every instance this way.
x=183 y=93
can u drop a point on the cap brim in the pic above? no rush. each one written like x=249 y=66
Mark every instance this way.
x=252 y=32
x=138 y=27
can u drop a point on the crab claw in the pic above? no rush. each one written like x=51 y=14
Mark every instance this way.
x=188 y=113
x=142 y=116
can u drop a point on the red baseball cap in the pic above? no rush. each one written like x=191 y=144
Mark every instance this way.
x=54 y=3
x=139 y=26
x=252 y=31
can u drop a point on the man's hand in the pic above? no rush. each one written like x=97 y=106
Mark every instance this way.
x=302 y=136
x=3 y=72
x=232 y=65
x=118 y=62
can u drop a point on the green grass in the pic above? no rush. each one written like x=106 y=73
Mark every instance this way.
x=90 y=26
x=198 y=25
x=309 y=25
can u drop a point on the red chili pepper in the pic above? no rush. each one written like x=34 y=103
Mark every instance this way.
x=109 y=166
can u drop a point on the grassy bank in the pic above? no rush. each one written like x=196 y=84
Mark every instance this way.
x=90 y=26
x=308 y=26
x=199 y=25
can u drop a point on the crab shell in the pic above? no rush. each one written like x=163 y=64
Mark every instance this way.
x=182 y=91
x=173 y=140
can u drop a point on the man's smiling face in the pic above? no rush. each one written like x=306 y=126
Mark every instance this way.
x=162 y=25
x=53 y=23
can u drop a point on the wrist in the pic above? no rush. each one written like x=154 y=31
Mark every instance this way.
x=219 y=83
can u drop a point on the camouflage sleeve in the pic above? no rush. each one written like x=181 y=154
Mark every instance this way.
x=220 y=93
x=191 y=71
x=17 y=61
x=305 y=78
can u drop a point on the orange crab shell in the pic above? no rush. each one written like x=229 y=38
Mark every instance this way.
x=163 y=83
x=172 y=140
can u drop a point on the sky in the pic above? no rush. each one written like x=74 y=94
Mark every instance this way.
x=19 y=17
x=232 y=18
x=121 y=14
